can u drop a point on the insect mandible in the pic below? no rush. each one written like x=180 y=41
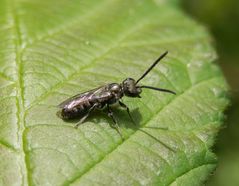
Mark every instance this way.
x=81 y=105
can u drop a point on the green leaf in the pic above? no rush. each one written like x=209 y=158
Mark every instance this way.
x=51 y=50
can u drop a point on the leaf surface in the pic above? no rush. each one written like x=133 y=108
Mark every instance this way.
x=51 y=50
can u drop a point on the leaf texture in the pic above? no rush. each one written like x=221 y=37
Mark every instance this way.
x=51 y=50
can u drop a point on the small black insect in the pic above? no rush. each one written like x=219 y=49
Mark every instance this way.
x=81 y=105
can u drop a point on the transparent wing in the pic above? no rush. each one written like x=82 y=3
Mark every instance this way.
x=81 y=96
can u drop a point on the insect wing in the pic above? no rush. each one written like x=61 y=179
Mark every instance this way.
x=80 y=97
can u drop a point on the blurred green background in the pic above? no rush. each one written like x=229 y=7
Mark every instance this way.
x=222 y=18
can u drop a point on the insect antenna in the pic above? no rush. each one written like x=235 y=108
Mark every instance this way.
x=152 y=66
x=148 y=70
x=158 y=89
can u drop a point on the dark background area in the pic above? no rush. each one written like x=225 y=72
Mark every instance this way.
x=221 y=17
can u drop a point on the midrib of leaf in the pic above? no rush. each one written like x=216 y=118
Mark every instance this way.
x=142 y=126
x=20 y=93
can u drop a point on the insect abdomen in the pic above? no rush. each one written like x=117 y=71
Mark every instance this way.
x=75 y=112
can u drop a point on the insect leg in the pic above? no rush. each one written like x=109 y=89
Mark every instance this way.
x=127 y=108
x=85 y=116
x=115 y=126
